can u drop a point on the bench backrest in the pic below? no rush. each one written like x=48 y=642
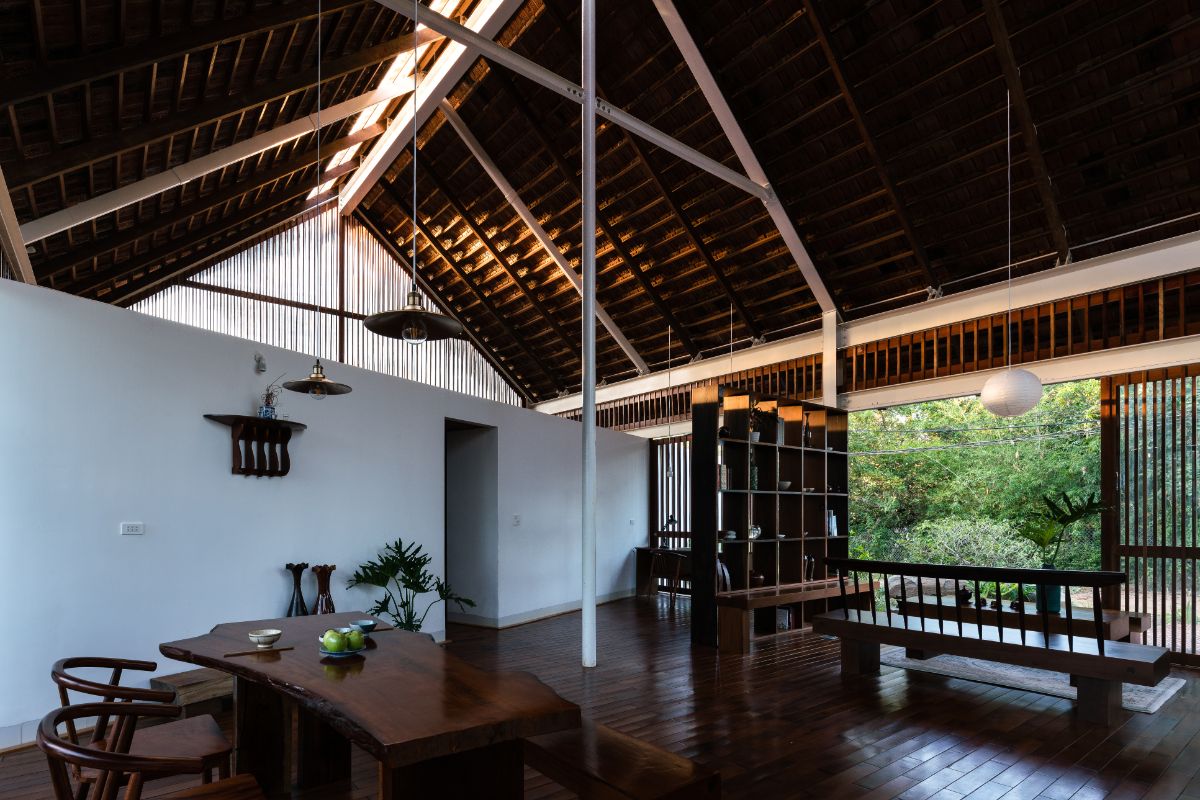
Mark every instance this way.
x=974 y=579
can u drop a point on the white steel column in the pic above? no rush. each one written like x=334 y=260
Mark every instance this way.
x=518 y=205
x=11 y=241
x=741 y=146
x=829 y=351
x=589 y=332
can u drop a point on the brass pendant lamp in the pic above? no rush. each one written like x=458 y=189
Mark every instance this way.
x=413 y=323
x=317 y=385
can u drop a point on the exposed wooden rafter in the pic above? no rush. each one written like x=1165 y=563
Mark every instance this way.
x=72 y=157
x=551 y=249
x=571 y=179
x=1033 y=150
x=500 y=258
x=519 y=340
x=860 y=122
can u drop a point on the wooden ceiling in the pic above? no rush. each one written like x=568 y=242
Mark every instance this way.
x=881 y=126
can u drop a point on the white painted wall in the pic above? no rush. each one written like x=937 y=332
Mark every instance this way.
x=472 y=522
x=109 y=428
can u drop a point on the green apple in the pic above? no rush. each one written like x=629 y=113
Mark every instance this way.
x=333 y=641
x=355 y=640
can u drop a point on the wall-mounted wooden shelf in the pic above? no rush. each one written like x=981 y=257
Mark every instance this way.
x=260 y=446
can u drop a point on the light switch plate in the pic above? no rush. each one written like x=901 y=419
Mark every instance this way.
x=132 y=528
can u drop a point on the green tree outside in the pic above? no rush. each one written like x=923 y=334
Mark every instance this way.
x=949 y=482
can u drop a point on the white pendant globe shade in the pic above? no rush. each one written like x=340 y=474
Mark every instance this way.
x=1011 y=393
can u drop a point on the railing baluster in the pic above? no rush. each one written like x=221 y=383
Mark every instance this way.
x=871 y=589
x=904 y=602
x=857 y=598
x=1021 y=610
x=999 y=612
x=1070 y=622
x=957 y=608
x=842 y=587
x=979 y=609
x=887 y=598
x=1098 y=613
x=921 y=600
x=1041 y=590
x=938 y=585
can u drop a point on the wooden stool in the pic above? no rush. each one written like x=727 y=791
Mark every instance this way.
x=665 y=564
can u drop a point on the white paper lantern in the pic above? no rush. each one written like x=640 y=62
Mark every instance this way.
x=1011 y=393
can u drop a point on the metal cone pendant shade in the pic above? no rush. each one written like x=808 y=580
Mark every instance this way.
x=317 y=385
x=413 y=323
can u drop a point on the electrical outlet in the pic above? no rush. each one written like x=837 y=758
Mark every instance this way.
x=631 y=523
x=132 y=528
x=516 y=520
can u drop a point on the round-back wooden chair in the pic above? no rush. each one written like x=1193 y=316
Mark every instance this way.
x=117 y=765
x=195 y=737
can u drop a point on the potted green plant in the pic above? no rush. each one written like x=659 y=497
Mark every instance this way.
x=402 y=572
x=1047 y=530
x=762 y=421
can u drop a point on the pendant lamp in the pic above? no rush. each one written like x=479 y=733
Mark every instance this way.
x=413 y=323
x=1014 y=391
x=317 y=385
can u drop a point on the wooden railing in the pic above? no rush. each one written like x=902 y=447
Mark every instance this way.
x=975 y=578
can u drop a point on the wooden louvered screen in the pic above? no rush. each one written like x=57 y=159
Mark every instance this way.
x=671 y=473
x=1151 y=438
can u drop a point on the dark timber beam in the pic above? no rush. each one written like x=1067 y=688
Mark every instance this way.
x=57 y=75
x=245 y=233
x=571 y=179
x=860 y=122
x=1012 y=77
x=504 y=369
x=455 y=267
x=197 y=238
x=72 y=157
x=199 y=205
x=500 y=259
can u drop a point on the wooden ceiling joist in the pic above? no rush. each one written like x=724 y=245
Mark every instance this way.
x=518 y=339
x=1029 y=138
x=548 y=246
x=860 y=122
x=68 y=158
x=572 y=180
x=182 y=213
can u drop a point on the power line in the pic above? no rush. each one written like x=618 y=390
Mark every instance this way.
x=1083 y=432
x=916 y=431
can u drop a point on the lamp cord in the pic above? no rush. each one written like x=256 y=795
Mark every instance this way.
x=1008 y=154
x=416 y=85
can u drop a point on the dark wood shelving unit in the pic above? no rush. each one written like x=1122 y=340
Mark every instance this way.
x=778 y=580
x=259 y=445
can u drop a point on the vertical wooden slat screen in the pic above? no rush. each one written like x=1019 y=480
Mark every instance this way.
x=672 y=476
x=1151 y=429
x=289 y=292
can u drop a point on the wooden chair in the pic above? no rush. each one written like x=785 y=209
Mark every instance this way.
x=667 y=564
x=195 y=737
x=117 y=766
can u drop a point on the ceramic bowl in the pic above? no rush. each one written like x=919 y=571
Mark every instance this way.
x=265 y=637
x=365 y=625
x=785 y=485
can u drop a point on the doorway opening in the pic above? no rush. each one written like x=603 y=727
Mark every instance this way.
x=472 y=541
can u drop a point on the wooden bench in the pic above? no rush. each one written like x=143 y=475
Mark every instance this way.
x=595 y=761
x=1097 y=667
x=735 y=610
x=196 y=687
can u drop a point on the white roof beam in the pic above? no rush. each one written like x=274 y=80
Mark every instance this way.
x=11 y=242
x=480 y=43
x=518 y=205
x=745 y=153
x=445 y=73
x=156 y=184
x=1144 y=263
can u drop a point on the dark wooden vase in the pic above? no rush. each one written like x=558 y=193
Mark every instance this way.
x=297 y=607
x=324 y=603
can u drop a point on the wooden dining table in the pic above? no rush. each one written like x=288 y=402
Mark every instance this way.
x=436 y=725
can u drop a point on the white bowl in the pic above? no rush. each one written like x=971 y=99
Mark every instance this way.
x=265 y=637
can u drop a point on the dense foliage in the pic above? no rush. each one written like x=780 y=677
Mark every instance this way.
x=948 y=482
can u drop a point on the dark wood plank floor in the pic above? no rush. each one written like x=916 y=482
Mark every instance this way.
x=782 y=723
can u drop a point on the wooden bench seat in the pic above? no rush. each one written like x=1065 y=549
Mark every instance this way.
x=196 y=686
x=598 y=762
x=1097 y=677
x=735 y=610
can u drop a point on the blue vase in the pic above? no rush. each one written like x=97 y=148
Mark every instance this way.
x=266 y=411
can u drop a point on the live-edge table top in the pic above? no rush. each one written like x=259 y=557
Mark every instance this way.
x=404 y=699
